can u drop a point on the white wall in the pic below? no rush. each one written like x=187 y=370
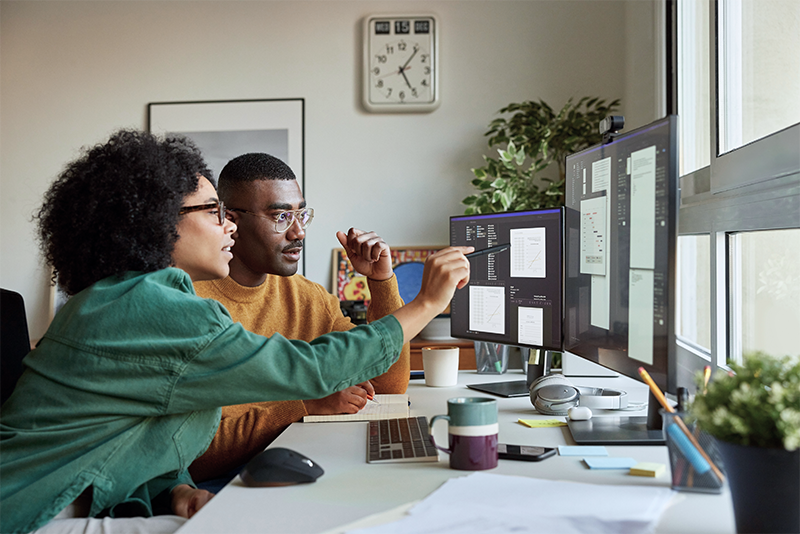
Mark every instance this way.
x=73 y=72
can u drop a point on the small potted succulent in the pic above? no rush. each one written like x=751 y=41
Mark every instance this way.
x=754 y=414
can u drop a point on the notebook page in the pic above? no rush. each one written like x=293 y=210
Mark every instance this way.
x=389 y=407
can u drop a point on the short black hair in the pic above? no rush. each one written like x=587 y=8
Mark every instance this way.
x=115 y=209
x=249 y=168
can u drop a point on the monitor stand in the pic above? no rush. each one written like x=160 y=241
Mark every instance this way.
x=519 y=388
x=621 y=430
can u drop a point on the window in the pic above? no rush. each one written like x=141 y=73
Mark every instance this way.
x=738 y=70
x=759 y=82
x=765 y=291
x=694 y=103
x=693 y=295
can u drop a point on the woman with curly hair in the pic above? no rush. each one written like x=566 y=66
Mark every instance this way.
x=124 y=390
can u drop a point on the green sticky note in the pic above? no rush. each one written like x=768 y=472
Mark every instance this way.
x=648 y=469
x=541 y=423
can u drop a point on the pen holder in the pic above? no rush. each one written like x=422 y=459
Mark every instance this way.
x=694 y=459
x=491 y=358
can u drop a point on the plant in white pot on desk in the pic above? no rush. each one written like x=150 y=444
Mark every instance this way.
x=754 y=413
x=533 y=141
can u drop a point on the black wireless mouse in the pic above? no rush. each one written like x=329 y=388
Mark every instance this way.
x=279 y=467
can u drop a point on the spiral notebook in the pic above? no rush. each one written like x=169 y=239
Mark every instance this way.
x=387 y=407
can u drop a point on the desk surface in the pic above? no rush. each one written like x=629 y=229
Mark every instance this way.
x=351 y=489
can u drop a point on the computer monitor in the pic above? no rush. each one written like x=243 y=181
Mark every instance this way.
x=620 y=245
x=513 y=296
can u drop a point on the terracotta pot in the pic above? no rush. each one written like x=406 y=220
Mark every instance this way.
x=765 y=487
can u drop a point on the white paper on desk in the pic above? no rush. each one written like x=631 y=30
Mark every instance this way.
x=486 y=503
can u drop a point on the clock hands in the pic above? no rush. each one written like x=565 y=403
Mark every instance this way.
x=416 y=49
x=406 y=78
x=400 y=70
x=405 y=67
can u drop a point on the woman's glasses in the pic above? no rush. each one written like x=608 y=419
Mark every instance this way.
x=219 y=205
x=285 y=219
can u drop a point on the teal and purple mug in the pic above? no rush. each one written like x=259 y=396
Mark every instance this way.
x=472 y=433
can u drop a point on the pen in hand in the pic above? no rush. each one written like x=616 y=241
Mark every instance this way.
x=490 y=250
x=371 y=399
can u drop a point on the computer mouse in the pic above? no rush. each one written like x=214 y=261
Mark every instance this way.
x=580 y=413
x=278 y=466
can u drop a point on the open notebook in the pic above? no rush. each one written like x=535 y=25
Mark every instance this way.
x=390 y=407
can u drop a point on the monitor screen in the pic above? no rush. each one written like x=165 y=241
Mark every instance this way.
x=620 y=244
x=514 y=296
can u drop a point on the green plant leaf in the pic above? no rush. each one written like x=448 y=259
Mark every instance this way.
x=506 y=198
x=499 y=183
x=479 y=173
x=520 y=157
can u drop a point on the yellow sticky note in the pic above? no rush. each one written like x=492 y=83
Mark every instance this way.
x=541 y=423
x=647 y=469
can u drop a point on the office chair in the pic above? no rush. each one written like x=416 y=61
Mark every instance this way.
x=14 y=341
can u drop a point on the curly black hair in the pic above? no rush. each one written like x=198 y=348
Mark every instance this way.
x=249 y=168
x=115 y=209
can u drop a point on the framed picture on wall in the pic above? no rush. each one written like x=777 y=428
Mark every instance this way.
x=407 y=262
x=225 y=129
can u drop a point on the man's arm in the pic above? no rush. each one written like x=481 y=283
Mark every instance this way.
x=371 y=256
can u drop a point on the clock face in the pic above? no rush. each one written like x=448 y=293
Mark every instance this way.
x=400 y=63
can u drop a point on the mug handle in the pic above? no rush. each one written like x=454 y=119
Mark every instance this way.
x=433 y=440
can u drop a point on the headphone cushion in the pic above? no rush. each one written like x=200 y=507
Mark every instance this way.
x=553 y=395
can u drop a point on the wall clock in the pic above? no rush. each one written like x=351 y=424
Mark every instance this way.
x=401 y=63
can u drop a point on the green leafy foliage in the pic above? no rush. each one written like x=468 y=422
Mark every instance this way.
x=758 y=404
x=530 y=140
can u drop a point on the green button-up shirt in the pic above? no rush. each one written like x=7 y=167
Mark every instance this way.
x=124 y=392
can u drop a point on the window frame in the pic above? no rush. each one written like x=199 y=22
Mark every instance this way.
x=750 y=188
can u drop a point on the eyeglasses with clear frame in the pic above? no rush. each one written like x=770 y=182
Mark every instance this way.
x=200 y=207
x=284 y=219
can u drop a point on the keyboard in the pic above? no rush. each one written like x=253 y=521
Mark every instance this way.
x=400 y=440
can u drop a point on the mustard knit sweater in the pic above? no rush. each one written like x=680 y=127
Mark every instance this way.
x=296 y=308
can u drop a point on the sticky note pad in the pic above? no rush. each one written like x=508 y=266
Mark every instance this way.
x=541 y=423
x=582 y=450
x=610 y=463
x=648 y=469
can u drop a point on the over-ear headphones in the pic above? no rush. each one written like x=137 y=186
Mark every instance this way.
x=555 y=395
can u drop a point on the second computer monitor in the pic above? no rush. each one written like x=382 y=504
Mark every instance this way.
x=621 y=232
x=514 y=297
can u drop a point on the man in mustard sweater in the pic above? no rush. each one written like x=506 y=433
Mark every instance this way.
x=264 y=293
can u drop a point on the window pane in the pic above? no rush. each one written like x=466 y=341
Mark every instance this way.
x=694 y=85
x=768 y=284
x=693 y=294
x=759 y=69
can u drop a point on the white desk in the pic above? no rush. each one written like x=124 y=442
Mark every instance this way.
x=351 y=489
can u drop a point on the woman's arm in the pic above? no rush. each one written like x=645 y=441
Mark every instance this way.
x=445 y=271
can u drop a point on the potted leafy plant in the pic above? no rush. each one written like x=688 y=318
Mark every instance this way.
x=754 y=414
x=531 y=139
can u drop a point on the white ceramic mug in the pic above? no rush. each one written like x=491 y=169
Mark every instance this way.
x=440 y=365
